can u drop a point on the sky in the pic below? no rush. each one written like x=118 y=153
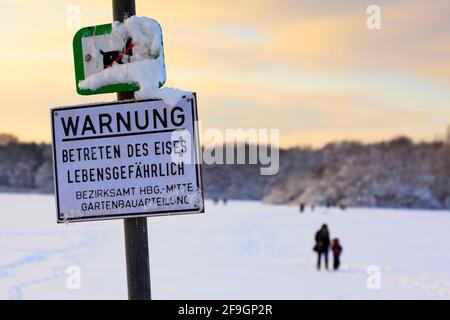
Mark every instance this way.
x=312 y=69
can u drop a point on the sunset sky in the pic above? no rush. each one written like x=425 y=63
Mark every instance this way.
x=309 y=68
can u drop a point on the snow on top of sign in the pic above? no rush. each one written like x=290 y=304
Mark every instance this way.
x=146 y=35
x=145 y=66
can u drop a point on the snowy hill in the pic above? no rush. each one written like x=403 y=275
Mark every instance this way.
x=393 y=174
x=244 y=250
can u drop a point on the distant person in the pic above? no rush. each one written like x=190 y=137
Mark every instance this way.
x=224 y=201
x=216 y=200
x=336 y=248
x=302 y=207
x=322 y=245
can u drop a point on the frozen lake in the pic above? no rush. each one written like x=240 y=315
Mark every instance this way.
x=244 y=250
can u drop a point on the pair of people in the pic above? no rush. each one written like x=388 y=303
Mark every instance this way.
x=323 y=246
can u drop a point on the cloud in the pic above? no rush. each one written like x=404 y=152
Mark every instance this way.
x=320 y=116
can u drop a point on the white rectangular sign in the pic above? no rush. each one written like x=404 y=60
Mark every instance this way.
x=126 y=159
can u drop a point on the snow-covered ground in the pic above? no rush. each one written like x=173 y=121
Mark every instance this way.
x=244 y=250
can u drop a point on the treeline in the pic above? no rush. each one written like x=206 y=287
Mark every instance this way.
x=395 y=173
x=25 y=167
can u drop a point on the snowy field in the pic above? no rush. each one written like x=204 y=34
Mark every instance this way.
x=245 y=250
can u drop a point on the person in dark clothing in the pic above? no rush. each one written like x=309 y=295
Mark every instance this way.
x=302 y=207
x=322 y=245
x=336 y=248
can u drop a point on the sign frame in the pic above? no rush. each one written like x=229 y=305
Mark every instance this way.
x=78 y=59
x=196 y=152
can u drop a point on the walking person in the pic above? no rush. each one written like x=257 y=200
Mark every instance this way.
x=336 y=248
x=302 y=207
x=322 y=245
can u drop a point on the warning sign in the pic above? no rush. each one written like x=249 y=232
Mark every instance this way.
x=126 y=159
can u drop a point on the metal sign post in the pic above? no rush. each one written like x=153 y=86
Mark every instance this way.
x=135 y=229
x=125 y=159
